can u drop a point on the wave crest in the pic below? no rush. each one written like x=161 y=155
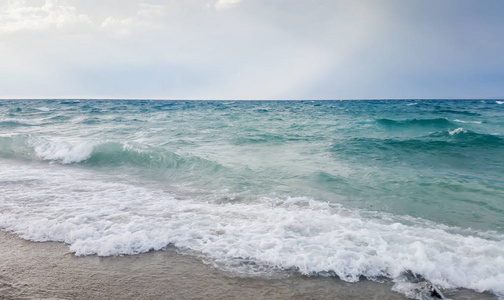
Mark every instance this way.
x=99 y=153
x=468 y=138
x=20 y=122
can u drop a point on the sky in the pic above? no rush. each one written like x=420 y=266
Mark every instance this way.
x=252 y=49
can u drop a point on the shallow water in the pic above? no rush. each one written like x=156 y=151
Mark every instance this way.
x=352 y=189
x=46 y=271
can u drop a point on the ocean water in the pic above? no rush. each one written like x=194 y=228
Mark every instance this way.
x=402 y=190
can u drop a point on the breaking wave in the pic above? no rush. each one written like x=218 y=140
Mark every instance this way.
x=100 y=217
x=98 y=153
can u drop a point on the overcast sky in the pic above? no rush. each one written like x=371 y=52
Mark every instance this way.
x=252 y=49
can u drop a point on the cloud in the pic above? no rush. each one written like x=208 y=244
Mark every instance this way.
x=197 y=49
x=148 y=17
x=150 y=10
x=226 y=4
x=17 y=15
x=22 y=15
x=119 y=27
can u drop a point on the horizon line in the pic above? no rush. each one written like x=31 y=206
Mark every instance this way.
x=174 y=99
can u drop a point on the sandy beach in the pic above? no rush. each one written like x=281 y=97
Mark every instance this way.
x=49 y=271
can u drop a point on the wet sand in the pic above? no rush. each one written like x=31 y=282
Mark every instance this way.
x=31 y=270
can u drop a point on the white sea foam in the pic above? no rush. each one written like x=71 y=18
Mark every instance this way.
x=410 y=104
x=44 y=109
x=96 y=215
x=472 y=122
x=22 y=121
x=499 y=102
x=457 y=131
x=62 y=151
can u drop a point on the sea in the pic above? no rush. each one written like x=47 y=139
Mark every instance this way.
x=404 y=191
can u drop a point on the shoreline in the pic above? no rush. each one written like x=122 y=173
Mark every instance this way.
x=48 y=270
x=31 y=270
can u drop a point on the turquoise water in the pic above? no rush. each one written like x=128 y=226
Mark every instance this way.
x=349 y=188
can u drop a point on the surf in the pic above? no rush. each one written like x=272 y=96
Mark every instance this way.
x=380 y=190
x=106 y=217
